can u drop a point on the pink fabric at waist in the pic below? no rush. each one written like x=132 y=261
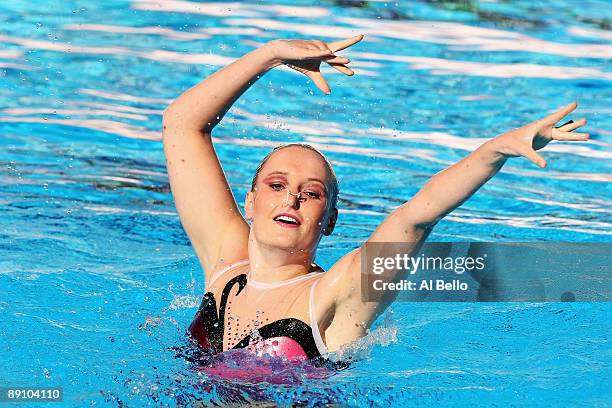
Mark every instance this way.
x=279 y=347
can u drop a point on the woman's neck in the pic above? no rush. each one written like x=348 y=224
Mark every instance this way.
x=271 y=264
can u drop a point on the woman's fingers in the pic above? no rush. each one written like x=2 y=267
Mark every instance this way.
x=565 y=132
x=534 y=157
x=336 y=46
x=344 y=69
x=337 y=60
x=318 y=50
x=316 y=53
x=312 y=49
x=560 y=114
x=315 y=76
x=319 y=81
x=339 y=63
x=568 y=127
x=321 y=45
x=569 y=136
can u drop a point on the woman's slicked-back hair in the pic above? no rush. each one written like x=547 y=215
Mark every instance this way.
x=332 y=180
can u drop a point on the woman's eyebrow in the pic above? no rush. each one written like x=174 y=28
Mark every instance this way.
x=316 y=179
x=276 y=173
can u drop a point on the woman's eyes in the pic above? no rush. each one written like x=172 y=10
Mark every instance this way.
x=309 y=194
x=312 y=194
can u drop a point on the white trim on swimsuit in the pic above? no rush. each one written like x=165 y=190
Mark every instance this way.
x=226 y=269
x=314 y=325
x=270 y=285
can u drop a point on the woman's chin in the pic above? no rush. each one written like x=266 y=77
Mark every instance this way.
x=285 y=244
x=283 y=238
x=289 y=244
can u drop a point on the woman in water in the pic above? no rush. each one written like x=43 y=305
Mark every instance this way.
x=263 y=290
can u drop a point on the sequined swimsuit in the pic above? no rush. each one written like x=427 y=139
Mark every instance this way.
x=270 y=316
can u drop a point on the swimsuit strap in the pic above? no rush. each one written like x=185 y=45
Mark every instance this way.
x=314 y=325
x=226 y=269
x=272 y=285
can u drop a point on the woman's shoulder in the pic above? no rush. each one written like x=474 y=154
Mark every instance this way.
x=226 y=267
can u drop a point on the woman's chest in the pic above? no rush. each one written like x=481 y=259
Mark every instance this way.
x=245 y=309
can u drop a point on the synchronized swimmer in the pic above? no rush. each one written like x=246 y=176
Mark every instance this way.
x=259 y=269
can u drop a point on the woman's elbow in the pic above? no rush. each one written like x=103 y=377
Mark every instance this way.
x=175 y=120
x=172 y=122
x=169 y=117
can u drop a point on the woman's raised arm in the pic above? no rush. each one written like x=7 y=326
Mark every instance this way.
x=411 y=222
x=202 y=195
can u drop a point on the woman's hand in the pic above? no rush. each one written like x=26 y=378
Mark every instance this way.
x=525 y=140
x=305 y=56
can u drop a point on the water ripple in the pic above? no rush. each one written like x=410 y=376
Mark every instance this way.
x=231 y=9
x=441 y=66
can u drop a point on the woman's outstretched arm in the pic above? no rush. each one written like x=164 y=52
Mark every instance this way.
x=202 y=195
x=448 y=189
x=411 y=223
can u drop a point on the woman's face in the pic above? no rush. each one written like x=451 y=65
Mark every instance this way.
x=279 y=218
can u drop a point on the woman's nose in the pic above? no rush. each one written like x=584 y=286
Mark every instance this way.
x=296 y=202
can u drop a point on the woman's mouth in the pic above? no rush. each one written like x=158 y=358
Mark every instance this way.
x=287 y=221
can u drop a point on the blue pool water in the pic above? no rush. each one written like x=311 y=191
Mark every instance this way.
x=98 y=281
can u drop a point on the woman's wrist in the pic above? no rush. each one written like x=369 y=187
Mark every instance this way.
x=267 y=55
x=492 y=150
x=270 y=48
